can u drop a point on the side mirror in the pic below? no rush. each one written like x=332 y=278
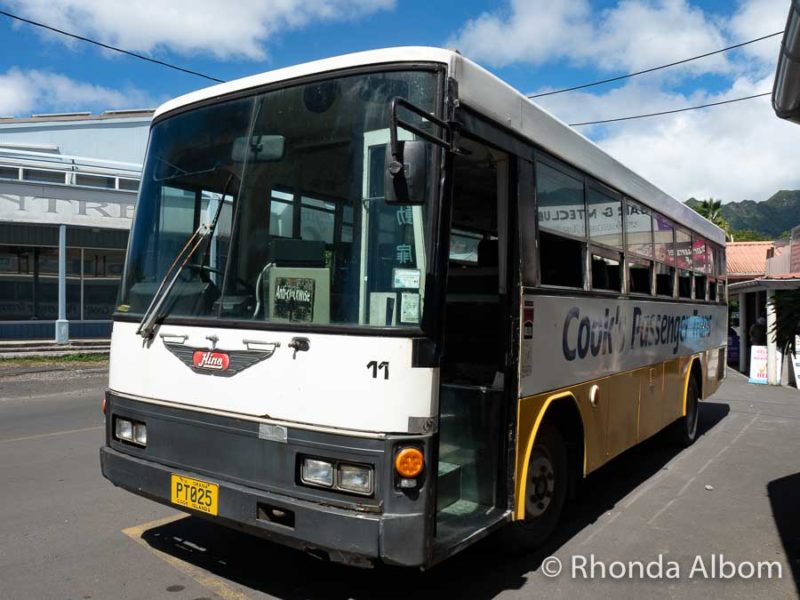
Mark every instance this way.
x=258 y=148
x=407 y=179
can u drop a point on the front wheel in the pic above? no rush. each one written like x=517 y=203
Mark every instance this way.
x=684 y=430
x=547 y=481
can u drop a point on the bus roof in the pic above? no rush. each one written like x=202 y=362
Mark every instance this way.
x=486 y=93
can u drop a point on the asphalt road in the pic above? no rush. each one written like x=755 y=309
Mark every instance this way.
x=67 y=533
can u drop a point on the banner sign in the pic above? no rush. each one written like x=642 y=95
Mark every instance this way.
x=581 y=339
x=115 y=214
x=758 y=364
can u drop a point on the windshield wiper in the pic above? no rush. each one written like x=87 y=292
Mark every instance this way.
x=154 y=313
x=179 y=172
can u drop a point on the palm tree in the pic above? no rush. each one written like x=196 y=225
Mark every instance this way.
x=712 y=210
x=787 y=324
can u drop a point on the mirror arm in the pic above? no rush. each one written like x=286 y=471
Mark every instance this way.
x=395 y=122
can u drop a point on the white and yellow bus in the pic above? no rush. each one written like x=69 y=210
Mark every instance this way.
x=378 y=306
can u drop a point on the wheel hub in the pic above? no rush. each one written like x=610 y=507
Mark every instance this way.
x=542 y=483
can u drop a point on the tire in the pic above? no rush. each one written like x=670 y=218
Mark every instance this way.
x=684 y=430
x=548 y=479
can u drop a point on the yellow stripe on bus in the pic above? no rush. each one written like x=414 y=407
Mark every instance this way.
x=630 y=407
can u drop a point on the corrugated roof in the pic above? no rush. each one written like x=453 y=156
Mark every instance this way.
x=747 y=258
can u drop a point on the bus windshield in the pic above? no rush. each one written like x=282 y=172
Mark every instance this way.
x=289 y=186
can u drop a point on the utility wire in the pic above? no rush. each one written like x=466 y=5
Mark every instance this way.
x=629 y=118
x=650 y=70
x=107 y=47
x=669 y=112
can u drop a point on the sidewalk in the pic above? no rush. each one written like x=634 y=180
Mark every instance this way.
x=49 y=349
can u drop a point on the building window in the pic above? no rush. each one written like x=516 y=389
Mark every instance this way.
x=95 y=181
x=9 y=173
x=29 y=283
x=42 y=176
x=102 y=270
x=129 y=185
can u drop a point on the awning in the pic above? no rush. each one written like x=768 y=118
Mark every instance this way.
x=786 y=90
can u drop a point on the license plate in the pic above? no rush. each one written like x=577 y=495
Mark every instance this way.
x=196 y=494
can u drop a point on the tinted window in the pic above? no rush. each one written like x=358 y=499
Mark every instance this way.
x=638 y=226
x=560 y=202
x=605 y=218
x=663 y=233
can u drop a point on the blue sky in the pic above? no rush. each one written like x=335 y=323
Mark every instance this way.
x=533 y=44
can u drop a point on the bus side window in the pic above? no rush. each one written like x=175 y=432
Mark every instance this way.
x=665 y=277
x=561 y=260
x=562 y=227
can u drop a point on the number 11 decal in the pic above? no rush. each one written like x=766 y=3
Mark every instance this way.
x=375 y=366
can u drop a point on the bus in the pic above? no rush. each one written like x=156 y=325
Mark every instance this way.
x=378 y=306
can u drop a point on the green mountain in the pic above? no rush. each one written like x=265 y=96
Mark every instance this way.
x=770 y=218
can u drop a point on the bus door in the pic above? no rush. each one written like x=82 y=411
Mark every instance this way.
x=470 y=492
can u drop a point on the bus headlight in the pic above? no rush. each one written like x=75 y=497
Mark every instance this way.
x=317 y=472
x=140 y=434
x=123 y=430
x=133 y=432
x=345 y=477
x=355 y=478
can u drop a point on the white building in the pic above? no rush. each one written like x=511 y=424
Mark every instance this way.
x=68 y=185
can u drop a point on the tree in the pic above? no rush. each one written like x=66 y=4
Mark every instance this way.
x=712 y=210
x=787 y=323
x=748 y=235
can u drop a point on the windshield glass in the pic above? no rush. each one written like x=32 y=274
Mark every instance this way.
x=291 y=183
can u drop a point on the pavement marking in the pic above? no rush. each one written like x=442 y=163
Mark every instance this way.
x=667 y=469
x=51 y=434
x=654 y=480
x=600 y=527
x=703 y=468
x=69 y=394
x=661 y=511
x=204 y=578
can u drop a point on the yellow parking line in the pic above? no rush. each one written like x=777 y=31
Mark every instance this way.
x=54 y=433
x=204 y=578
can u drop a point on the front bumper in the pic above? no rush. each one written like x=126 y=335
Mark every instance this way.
x=392 y=526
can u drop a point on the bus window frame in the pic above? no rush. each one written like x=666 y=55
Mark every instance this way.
x=565 y=169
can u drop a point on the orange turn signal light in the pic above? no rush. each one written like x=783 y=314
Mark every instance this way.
x=103 y=405
x=409 y=462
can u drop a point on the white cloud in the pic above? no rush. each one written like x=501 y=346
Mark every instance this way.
x=210 y=27
x=736 y=151
x=534 y=31
x=755 y=18
x=632 y=35
x=25 y=92
x=637 y=35
x=732 y=152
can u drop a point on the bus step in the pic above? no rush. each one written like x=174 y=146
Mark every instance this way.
x=448 y=485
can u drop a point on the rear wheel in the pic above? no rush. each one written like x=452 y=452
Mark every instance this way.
x=545 y=491
x=684 y=430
